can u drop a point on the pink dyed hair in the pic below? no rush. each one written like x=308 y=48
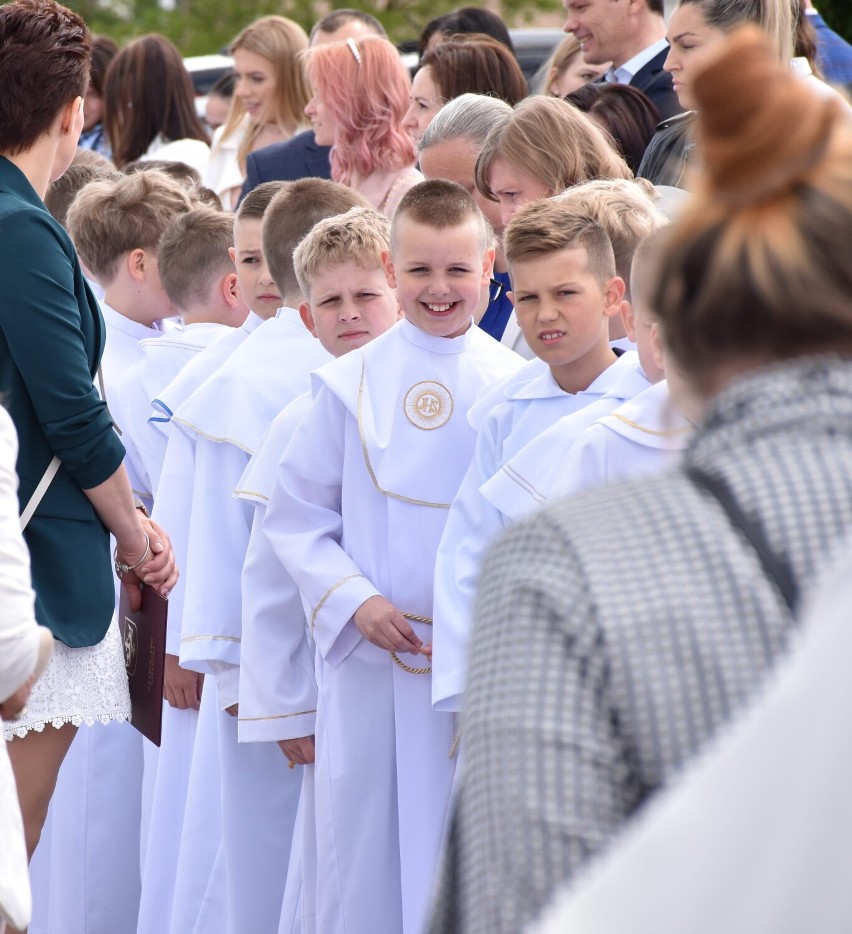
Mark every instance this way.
x=368 y=100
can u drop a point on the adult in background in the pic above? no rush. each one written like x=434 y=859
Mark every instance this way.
x=360 y=97
x=544 y=147
x=469 y=19
x=149 y=106
x=448 y=149
x=302 y=156
x=593 y=684
x=465 y=64
x=268 y=102
x=624 y=112
x=697 y=29
x=566 y=70
x=632 y=35
x=51 y=340
x=94 y=135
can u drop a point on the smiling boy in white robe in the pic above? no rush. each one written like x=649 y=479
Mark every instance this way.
x=348 y=303
x=358 y=507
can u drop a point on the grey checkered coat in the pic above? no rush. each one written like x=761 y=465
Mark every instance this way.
x=617 y=630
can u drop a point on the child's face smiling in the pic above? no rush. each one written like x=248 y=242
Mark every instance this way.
x=438 y=274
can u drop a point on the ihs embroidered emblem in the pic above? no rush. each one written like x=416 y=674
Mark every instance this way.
x=428 y=405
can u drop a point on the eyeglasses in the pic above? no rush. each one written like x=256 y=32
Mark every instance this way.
x=495 y=290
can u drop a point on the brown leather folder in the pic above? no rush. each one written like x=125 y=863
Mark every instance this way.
x=143 y=635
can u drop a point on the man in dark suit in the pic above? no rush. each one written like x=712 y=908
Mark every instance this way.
x=301 y=157
x=629 y=35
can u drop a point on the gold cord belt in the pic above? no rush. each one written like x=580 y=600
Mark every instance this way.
x=398 y=660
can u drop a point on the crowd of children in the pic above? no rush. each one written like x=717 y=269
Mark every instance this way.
x=332 y=446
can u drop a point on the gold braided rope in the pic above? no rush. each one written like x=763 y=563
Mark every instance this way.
x=408 y=668
x=398 y=660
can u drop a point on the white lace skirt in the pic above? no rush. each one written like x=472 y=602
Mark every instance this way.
x=87 y=685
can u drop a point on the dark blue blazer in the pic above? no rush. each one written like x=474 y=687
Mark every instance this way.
x=51 y=340
x=657 y=84
x=833 y=52
x=299 y=157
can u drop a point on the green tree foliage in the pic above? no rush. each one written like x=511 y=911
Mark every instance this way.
x=201 y=26
x=838 y=15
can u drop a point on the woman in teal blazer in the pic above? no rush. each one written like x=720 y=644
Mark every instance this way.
x=51 y=341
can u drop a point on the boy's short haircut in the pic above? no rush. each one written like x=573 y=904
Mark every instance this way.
x=292 y=214
x=61 y=193
x=647 y=261
x=193 y=255
x=361 y=235
x=95 y=158
x=624 y=210
x=188 y=176
x=109 y=219
x=545 y=227
x=255 y=203
x=440 y=204
x=206 y=197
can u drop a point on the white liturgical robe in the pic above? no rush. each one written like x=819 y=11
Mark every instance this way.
x=360 y=501
x=643 y=436
x=530 y=408
x=226 y=418
x=161 y=360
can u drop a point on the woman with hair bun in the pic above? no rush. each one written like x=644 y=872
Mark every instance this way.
x=360 y=98
x=268 y=101
x=636 y=669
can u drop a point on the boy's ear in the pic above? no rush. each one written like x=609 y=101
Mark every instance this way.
x=488 y=264
x=231 y=289
x=137 y=264
x=657 y=347
x=628 y=319
x=390 y=272
x=511 y=297
x=307 y=318
x=233 y=254
x=613 y=296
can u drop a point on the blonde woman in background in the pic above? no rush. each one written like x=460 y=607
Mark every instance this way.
x=566 y=70
x=268 y=103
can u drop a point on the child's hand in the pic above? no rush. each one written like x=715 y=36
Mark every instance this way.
x=181 y=688
x=379 y=621
x=298 y=751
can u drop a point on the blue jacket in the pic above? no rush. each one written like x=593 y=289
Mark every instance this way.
x=51 y=341
x=833 y=52
x=299 y=157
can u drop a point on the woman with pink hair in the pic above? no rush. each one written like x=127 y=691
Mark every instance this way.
x=361 y=91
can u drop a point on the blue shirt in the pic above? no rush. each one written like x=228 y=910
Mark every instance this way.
x=499 y=309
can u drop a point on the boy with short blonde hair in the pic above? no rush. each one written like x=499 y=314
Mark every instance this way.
x=625 y=209
x=358 y=506
x=348 y=302
x=565 y=292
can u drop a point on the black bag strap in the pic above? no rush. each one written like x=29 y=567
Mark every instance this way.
x=774 y=565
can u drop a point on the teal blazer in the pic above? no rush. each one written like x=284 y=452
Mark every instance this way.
x=51 y=340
